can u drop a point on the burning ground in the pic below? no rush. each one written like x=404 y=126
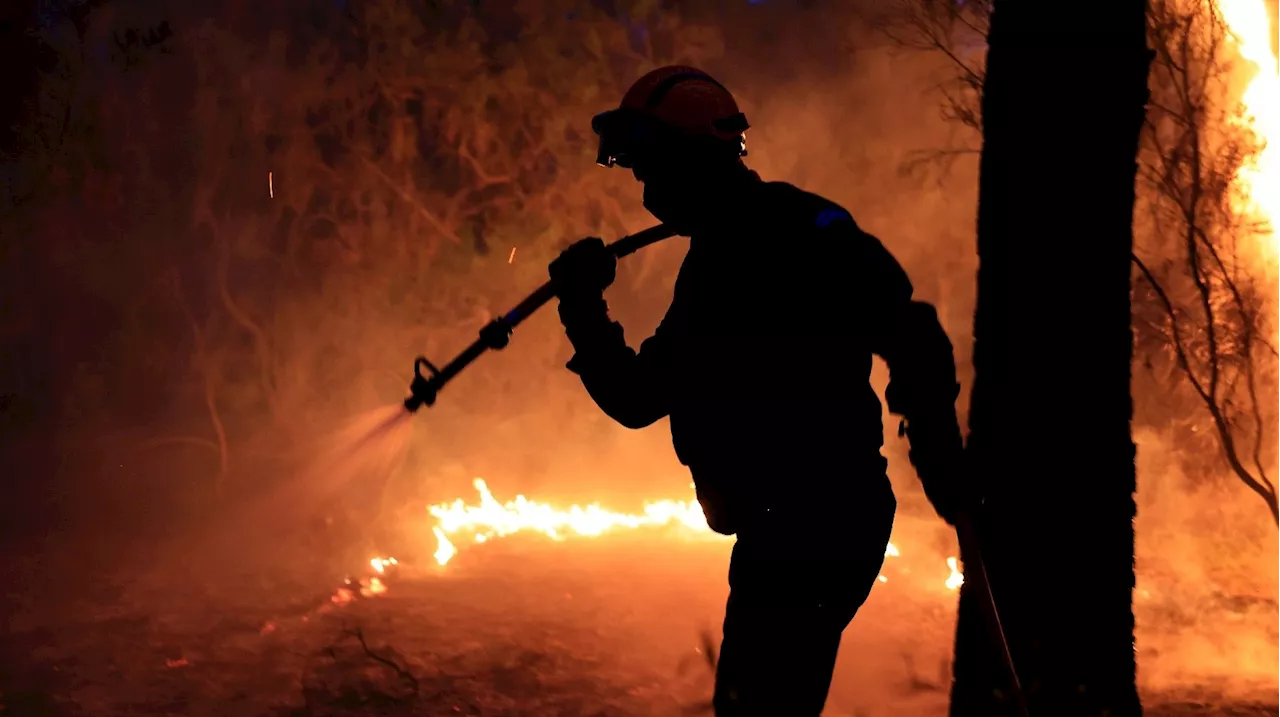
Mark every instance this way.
x=553 y=610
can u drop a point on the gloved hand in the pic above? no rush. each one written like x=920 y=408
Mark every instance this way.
x=937 y=452
x=945 y=496
x=584 y=270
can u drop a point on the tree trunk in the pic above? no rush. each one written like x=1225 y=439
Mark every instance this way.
x=1050 y=443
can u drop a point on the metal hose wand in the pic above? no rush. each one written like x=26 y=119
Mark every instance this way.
x=426 y=385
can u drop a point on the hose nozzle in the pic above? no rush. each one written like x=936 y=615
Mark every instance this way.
x=423 y=389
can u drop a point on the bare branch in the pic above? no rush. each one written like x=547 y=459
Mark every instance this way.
x=483 y=178
x=262 y=344
x=210 y=384
x=1174 y=333
x=440 y=225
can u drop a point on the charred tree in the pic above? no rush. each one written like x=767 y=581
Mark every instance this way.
x=1050 y=446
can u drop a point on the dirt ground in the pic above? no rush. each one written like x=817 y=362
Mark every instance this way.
x=519 y=626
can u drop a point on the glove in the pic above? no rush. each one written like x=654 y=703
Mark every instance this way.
x=580 y=275
x=937 y=453
x=584 y=270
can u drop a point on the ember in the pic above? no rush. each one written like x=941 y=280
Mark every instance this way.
x=368 y=586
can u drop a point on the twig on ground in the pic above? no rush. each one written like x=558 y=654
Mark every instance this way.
x=401 y=672
x=332 y=687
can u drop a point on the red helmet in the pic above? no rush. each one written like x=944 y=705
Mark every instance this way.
x=671 y=106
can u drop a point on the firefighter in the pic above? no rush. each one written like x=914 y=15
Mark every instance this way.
x=762 y=363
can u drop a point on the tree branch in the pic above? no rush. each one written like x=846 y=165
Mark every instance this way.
x=440 y=226
x=262 y=345
x=1263 y=487
x=210 y=386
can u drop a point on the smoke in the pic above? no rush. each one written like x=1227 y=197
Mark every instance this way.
x=1207 y=575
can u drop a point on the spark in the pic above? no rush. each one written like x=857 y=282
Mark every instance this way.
x=271 y=190
x=512 y=256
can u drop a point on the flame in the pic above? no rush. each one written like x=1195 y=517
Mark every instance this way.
x=956 y=578
x=373 y=587
x=1259 y=180
x=444 y=549
x=369 y=586
x=491 y=519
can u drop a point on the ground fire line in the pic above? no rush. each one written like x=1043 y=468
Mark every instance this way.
x=490 y=519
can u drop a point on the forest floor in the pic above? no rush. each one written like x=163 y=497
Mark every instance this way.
x=521 y=626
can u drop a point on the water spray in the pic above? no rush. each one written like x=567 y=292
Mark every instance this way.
x=428 y=379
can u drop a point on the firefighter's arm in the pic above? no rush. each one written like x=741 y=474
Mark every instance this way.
x=632 y=388
x=922 y=387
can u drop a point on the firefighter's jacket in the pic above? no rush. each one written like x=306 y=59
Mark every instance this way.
x=763 y=360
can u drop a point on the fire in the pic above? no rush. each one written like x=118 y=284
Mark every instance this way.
x=1259 y=180
x=368 y=586
x=1251 y=31
x=373 y=587
x=956 y=579
x=491 y=519
x=444 y=550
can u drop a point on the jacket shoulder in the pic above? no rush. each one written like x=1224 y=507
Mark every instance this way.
x=799 y=208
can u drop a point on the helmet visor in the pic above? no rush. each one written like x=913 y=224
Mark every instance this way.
x=626 y=134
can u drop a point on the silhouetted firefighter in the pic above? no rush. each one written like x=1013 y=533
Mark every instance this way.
x=762 y=363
